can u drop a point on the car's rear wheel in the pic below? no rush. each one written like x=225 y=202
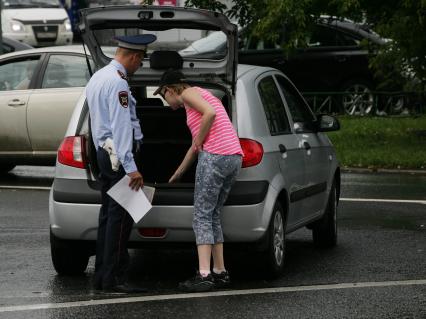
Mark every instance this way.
x=324 y=231
x=68 y=257
x=4 y=168
x=275 y=253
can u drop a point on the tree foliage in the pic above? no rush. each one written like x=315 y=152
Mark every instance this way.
x=401 y=21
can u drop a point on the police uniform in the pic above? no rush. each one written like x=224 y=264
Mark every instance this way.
x=113 y=118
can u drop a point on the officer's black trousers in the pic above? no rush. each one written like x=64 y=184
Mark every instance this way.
x=115 y=224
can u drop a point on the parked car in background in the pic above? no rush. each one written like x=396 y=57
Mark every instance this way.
x=38 y=92
x=290 y=176
x=209 y=46
x=335 y=60
x=36 y=22
x=10 y=45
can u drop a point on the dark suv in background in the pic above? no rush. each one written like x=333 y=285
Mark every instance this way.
x=335 y=60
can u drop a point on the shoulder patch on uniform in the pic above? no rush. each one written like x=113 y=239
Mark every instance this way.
x=123 y=98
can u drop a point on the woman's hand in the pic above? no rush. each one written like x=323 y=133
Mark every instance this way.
x=197 y=145
x=175 y=178
x=190 y=157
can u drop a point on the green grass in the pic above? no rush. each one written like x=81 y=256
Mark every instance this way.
x=381 y=142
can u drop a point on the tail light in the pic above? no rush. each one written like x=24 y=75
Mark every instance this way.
x=253 y=152
x=72 y=151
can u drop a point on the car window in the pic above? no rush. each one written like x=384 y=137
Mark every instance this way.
x=322 y=37
x=345 y=39
x=64 y=71
x=17 y=74
x=254 y=43
x=7 y=48
x=273 y=106
x=302 y=115
x=213 y=43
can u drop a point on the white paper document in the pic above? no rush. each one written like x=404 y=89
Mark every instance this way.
x=137 y=203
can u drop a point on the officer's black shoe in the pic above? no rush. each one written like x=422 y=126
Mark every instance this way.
x=197 y=283
x=221 y=280
x=124 y=289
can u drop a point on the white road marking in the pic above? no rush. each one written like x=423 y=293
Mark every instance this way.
x=111 y=301
x=384 y=200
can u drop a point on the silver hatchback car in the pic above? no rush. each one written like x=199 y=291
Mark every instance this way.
x=290 y=176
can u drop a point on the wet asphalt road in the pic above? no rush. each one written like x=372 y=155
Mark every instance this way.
x=382 y=249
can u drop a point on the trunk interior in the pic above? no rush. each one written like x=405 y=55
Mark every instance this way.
x=166 y=141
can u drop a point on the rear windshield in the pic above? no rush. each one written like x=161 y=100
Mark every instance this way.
x=198 y=44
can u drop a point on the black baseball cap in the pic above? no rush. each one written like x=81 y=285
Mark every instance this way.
x=170 y=77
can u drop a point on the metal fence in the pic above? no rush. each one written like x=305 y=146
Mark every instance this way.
x=369 y=103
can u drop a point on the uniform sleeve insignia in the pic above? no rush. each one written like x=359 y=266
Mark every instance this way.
x=123 y=98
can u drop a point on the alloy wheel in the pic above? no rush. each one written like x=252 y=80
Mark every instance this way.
x=358 y=100
x=278 y=238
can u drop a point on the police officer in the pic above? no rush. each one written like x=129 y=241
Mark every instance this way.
x=114 y=128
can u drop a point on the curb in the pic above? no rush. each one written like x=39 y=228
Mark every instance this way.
x=383 y=171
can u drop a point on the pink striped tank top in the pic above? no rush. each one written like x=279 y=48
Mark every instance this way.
x=222 y=138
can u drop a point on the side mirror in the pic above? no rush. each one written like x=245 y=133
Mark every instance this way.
x=327 y=123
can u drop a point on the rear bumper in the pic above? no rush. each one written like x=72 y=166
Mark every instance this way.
x=241 y=223
x=79 y=191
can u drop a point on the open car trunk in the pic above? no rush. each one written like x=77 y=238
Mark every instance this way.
x=175 y=28
x=165 y=143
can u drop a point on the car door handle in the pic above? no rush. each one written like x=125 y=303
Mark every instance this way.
x=16 y=102
x=307 y=145
x=282 y=148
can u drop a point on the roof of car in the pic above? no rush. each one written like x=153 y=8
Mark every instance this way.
x=64 y=48
x=244 y=69
x=362 y=29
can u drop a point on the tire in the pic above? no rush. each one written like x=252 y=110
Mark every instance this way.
x=324 y=231
x=5 y=168
x=392 y=105
x=276 y=245
x=68 y=257
x=359 y=99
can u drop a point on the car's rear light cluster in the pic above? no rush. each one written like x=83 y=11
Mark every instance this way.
x=253 y=152
x=72 y=151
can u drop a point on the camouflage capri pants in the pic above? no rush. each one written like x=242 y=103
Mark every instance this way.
x=213 y=180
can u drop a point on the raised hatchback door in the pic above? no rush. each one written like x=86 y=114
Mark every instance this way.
x=176 y=29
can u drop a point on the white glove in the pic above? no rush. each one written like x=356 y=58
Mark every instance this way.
x=109 y=147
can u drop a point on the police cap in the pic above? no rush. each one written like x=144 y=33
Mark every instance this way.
x=135 y=42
